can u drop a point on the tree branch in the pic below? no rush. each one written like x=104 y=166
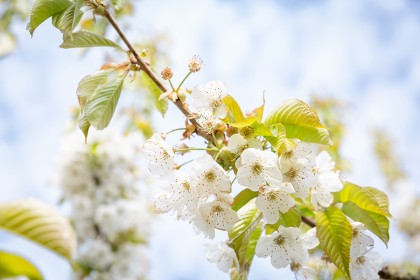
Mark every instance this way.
x=144 y=67
x=308 y=221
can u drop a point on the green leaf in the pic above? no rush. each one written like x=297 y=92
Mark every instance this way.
x=300 y=121
x=78 y=13
x=376 y=223
x=246 y=122
x=12 y=265
x=100 y=106
x=245 y=234
x=261 y=129
x=243 y=198
x=258 y=112
x=335 y=234
x=381 y=198
x=291 y=218
x=44 y=9
x=279 y=141
x=235 y=114
x=65 y=19
x=89 y=84
x=366 y=198
x=161 y=105
x=84 y=124
x=40 y=223
x=86 y=39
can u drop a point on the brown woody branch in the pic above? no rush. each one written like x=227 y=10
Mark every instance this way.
x=146 y=69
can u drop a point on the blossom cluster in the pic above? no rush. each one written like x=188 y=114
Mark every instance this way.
x=100 y=183
x=201 y=192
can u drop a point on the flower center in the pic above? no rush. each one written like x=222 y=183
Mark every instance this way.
x=279 y=241
x=361 y=259
x=215 y=103
x=216 y=209
x=256 y=168
x=272 y=195
x=186 y=185
x=165 y=154
x=210 y=176
x=292 y=173
x=288 y=154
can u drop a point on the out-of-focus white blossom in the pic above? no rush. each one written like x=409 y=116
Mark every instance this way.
x=328 y=181
x=237 y=143
x=100 y=182
x=257 y=169
x=222 y=255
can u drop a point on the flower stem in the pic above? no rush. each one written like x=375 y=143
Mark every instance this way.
x=172 y=86
x=185 y=78
x=176 y=129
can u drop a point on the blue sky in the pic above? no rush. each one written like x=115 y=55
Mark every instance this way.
x=365 y=52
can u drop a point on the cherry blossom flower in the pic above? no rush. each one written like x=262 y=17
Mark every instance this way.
x=222 y=255
x=275 y=199
x=328 y=181
x=284 y=246
x=160 y=155
x=258 y=169
x=366 y=267
x=361 y=242
x=237 y=143
x=209 y=99
x=297 y=169
x=180 y=195
x=218 y=214
x=209 y=177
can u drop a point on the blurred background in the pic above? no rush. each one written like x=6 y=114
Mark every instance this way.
x=365 y=54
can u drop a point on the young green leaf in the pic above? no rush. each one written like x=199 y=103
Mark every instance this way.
x=40 y=223
x=161 y=104
x=78 y=13
x=65 y=19
x=86 y=39
x=376 y=223
x=259 y=112
x=335 y=234
x=12 y=265
x=100 y=106
x=300 y=121
x=366 y=198
x=291 y=218
x=279 y=141
x=84 y=124
x=245 y=234
x=89 y=84
x=44 y=9
x=243 y=198
x=235 y=114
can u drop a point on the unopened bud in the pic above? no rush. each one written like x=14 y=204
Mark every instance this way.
x=231 y=130
x=189 y=130
x=195 y=63
x=221 y=126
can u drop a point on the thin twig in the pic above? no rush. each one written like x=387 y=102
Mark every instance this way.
x=146 y=69
x=308 y=221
